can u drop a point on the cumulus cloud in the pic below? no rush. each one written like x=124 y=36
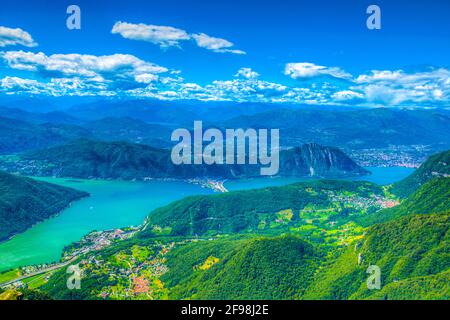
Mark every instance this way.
x=109 y=68
x=127 y=75
x=54 y=87
x=166 y=36
x=247 y=73
x=346 y=95
x=399 y=87
x=12 y=37
x=300 y=70
x=215 y=44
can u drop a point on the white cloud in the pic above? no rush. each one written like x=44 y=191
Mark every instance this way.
x=247 y=73
x=164 y=36
x=215 y=44
x=9 y=83
x=299 y=70
x=127 y=75
x=346 y=95
x=54 y=87
x=12 y=37
x=116 y=67
x=399 y=87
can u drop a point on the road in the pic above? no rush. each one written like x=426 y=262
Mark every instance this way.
x=45 y=270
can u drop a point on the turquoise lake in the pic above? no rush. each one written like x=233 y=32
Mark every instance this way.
x=115 y=204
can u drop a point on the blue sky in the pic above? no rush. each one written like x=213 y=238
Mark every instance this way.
x=317 y=52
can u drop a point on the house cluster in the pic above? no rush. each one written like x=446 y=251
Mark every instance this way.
x=98 y=240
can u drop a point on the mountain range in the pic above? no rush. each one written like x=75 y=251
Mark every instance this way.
x=151 y=122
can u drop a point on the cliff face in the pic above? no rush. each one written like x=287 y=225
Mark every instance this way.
x=314 y=160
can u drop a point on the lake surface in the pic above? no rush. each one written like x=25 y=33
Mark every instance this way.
x=380 y=175
x=112 y=204
x=115 y=204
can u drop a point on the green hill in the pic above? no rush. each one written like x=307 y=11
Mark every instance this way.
x=317 y=203
x=209 y=248
x=432 y=287
x=259 y=268
x=24 y=202
x=408 y=251
x=437 y=165
x=433 y=196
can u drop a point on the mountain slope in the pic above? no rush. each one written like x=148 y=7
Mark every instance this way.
x=263 y=210
x=19 y=136
x=247 y=245
x=433 y=196
x=131 y=130
x=259 y=268
x=38 y=118
x=122 y=160
x=410 y=247
x=366 y=128
x=317 y=161
x=437 y=165
x=24 y=202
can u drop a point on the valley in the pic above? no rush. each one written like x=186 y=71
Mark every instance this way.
x=45 y=242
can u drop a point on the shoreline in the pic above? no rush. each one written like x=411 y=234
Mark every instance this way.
x=15 y=234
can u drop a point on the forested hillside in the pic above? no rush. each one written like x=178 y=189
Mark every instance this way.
x=308 y=240
x=431 y=197
x=437 y=165
x=316 y=203
x=260 y=268
x=129 y=161
x=24 y=202
x=408 y=249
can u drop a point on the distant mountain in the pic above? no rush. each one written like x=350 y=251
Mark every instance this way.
x=437 y=165
x=42 y=104
x=366 y=128
x=348 y=129
x=17 y=135
x=66 y=128
x=24 y=202
x=315 y=160
x=183 y=112
x=38 y=117
x=130 y=130
x=122 y=160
